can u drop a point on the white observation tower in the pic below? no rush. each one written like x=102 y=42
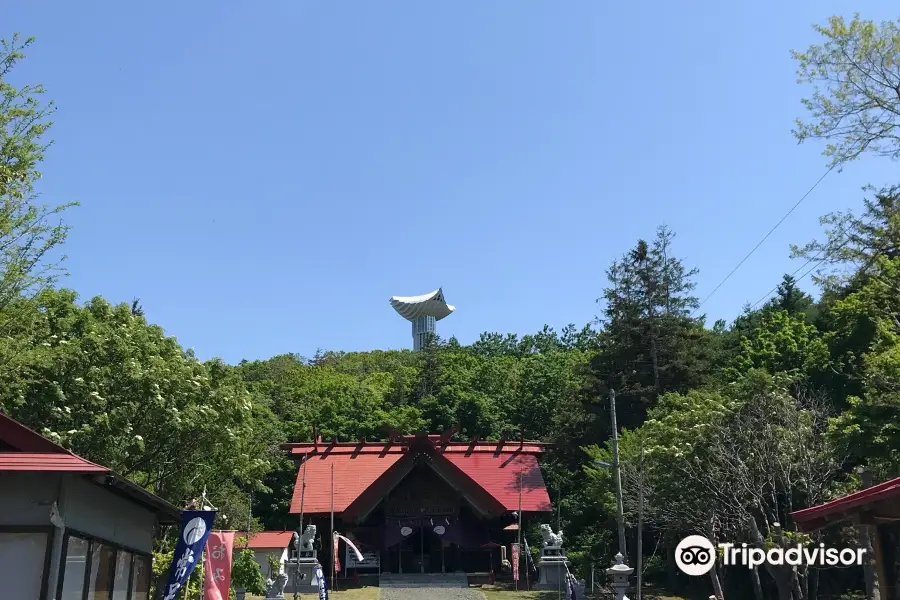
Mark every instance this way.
x=423 y=312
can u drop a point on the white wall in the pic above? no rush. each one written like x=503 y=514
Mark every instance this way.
x=97 y=511
x=25 y=498
x=260 y=555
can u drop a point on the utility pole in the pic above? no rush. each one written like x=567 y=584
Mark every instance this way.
x=640 y=524
x=302 y=498
x=620 y=511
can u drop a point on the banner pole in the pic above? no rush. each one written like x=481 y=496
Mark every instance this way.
x=334 y=545
x=518 y=559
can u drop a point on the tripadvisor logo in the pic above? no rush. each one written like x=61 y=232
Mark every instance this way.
x=695 y=555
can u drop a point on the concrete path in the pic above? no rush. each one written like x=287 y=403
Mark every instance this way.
x=427 y=587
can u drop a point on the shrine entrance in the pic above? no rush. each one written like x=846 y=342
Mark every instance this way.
x=429 y=528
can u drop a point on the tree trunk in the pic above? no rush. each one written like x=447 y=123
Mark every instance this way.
x=654 y=357
x=671 y=569
x=757 y=586
x=795 y=584
x=716 y=581
x=813 y=584
x=782 y=583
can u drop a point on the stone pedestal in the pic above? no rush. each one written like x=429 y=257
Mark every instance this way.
x=553 y=568
x=302 y=575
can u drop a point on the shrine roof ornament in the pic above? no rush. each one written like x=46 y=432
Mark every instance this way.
x=430 y=305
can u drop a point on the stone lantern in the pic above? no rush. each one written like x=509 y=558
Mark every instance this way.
x=619 y=574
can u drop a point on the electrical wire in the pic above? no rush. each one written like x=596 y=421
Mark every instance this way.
x=765 y=237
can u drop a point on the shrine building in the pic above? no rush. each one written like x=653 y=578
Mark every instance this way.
x=419 y=503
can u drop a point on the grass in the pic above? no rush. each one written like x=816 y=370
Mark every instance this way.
x=509 y=594
x=364 y=593
x=520 y=595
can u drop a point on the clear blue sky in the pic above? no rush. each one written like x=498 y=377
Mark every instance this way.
x=264 y=176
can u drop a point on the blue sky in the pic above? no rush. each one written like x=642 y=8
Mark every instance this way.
x=264 y=176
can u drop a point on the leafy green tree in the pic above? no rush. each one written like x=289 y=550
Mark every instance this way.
x=99 y=380
x=781 y=343
x=245 y=572
x=29 y=231
x=867 y=430
x=855 y=104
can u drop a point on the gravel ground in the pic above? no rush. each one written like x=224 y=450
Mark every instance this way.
x=430 y=593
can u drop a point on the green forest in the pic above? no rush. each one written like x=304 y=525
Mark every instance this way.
x=725 y=428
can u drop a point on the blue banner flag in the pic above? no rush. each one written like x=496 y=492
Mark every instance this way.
x=323 y=589
x=195 y=528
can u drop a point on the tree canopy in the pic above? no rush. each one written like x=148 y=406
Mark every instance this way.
x=724 y=430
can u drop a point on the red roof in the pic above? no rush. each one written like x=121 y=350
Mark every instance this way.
x=270 y=539
x=47 y=461
x=33 y=452
x=495 y=468
x=24 y=450
x=881 y=496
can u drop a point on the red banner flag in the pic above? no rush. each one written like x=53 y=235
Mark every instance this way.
x=217 y=574
x=337 y=560
x=515 y=562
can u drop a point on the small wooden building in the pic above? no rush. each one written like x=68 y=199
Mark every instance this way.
x=879 y=508
x=71 y=529
x=421 y=503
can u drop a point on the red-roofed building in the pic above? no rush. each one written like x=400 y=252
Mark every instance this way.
x=69 y=528
x=272 y=545
x=878 y=507
x=420 y=503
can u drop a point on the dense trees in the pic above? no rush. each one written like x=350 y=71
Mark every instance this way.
x=725 y=429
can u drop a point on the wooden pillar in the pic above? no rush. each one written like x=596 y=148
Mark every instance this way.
x=443 y=568
x=884 y=586
x=400 y=557
x=422 y=549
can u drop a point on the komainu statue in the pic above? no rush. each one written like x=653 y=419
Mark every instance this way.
x=307 y=539
x=551 y=540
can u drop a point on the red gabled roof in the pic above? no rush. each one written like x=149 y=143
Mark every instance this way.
x=353 y=473
x=270 y=539
x=499 y=476
x=492 y=466
x=24 y=450
x=33 y=452
x=883 y=495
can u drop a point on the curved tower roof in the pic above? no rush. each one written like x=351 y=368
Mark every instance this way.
x=430 y=305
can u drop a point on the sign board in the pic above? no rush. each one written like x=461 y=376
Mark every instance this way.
x=371 y=560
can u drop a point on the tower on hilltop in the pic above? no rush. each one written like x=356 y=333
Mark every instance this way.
x=423 y=312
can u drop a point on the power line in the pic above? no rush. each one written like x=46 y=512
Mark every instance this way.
x=818 y=258
x=775 y=289
x=771 y=231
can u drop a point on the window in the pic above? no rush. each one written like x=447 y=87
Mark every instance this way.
x=96 y=570
x=74 y=569
x=22 y=562
x=123 y=572
x=103 y=566
x=140 y=585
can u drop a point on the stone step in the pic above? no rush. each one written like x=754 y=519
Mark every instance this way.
x=420 y=580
